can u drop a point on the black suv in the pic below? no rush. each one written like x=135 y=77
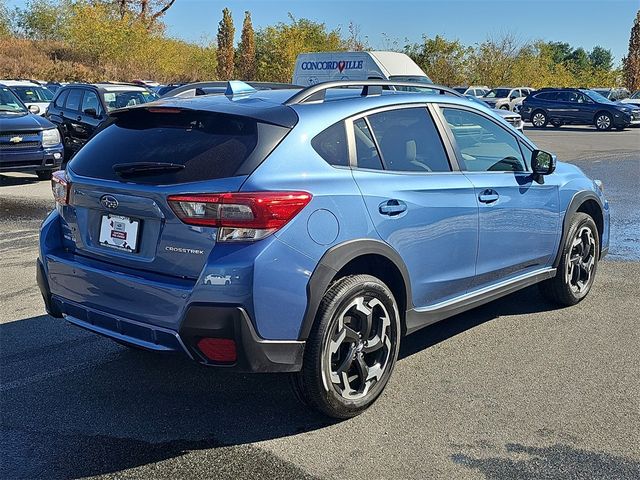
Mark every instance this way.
x=79 y=110
x=560 y=106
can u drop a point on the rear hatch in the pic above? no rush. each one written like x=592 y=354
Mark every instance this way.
x=120 y=181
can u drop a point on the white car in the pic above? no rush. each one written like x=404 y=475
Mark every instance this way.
x=633 y=99
x=476 y=91
x=217 y=279
x=31 y=93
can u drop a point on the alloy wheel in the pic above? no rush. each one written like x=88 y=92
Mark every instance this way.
x=581 y=260
x=603 y=122
x=538 y=119
x=359 y=348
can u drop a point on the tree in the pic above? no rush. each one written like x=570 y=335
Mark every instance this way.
x=278 y=46
x=632 y=61
x=601 y=58
x=148 y=11
x=443 y=60
x=43 y=19
x=559 y=51
x=578 y=61
x=247 y=64
x=5 y=21
x=225 y=53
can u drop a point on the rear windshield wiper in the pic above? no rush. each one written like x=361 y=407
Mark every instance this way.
x=145 y=168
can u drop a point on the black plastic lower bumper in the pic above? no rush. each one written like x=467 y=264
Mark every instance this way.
x=254 y=354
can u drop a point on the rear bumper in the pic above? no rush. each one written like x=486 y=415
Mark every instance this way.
x=254 y=354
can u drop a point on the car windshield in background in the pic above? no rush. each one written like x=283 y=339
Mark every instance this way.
x=460 y=89
x=127 y=98
x=498 y=93
x=597 y=97
x=33 y=94
x=9 y=102
x=410 y=78
x=636 y=95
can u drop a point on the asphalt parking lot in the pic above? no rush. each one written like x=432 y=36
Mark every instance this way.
x=515 y=389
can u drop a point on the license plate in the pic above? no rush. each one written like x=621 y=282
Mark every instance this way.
x=119 y=232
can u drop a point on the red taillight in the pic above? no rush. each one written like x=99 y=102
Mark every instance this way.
x=221 y=350
x=60 y=187
x=240 y=216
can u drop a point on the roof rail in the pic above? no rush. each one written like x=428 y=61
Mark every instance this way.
x=316 y=93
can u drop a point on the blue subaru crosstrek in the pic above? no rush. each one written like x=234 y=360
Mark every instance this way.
x=308 y=231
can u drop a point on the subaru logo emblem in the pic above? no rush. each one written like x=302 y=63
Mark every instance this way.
x=109 y=201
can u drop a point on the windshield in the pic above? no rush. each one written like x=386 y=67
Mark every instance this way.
x=460 y=89
x=34 y=94
x=596 y=97
x=127 y=98
x=605 y=92
x=9 y=102
x=498 y=93
x=636 y=95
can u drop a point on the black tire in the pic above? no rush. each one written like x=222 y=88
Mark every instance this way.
x=338 y=313
x=539 y=119
x=569 y=286
x=504 y=107
x=44 y=174
x=603 y=121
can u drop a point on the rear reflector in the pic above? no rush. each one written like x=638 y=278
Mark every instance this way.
x=221 y=350
x=60 y=187
x=240 y=216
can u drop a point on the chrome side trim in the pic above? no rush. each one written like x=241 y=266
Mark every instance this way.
x=418 y=318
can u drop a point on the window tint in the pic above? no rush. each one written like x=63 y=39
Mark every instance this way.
x=73 y=100
x=547 y=95
x=61 y=98
x=409 y=141
x=90 y=100
x=568 y=96
x=366 y=152
x=484 y=145
x=209 y=145
x=331 y=145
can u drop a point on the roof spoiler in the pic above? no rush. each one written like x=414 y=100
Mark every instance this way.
x=316 y=93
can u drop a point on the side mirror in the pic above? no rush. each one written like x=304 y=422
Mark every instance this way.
x=542 y=163
x=91 y=111
x=35 y=109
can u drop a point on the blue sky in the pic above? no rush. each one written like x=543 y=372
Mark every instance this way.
x=579 y=22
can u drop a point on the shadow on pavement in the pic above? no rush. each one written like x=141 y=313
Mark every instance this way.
x=6 y=181
x=553 y=462
x=74 y=404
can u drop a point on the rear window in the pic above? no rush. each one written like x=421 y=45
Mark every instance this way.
x=209 y=145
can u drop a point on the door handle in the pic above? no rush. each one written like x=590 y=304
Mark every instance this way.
x=392 y=207
x=78 y=118
x=488 y=196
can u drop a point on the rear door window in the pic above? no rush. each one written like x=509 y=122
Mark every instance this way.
x=73 y=100
x=61 y=99
x=409 y=141
x=197 y=145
